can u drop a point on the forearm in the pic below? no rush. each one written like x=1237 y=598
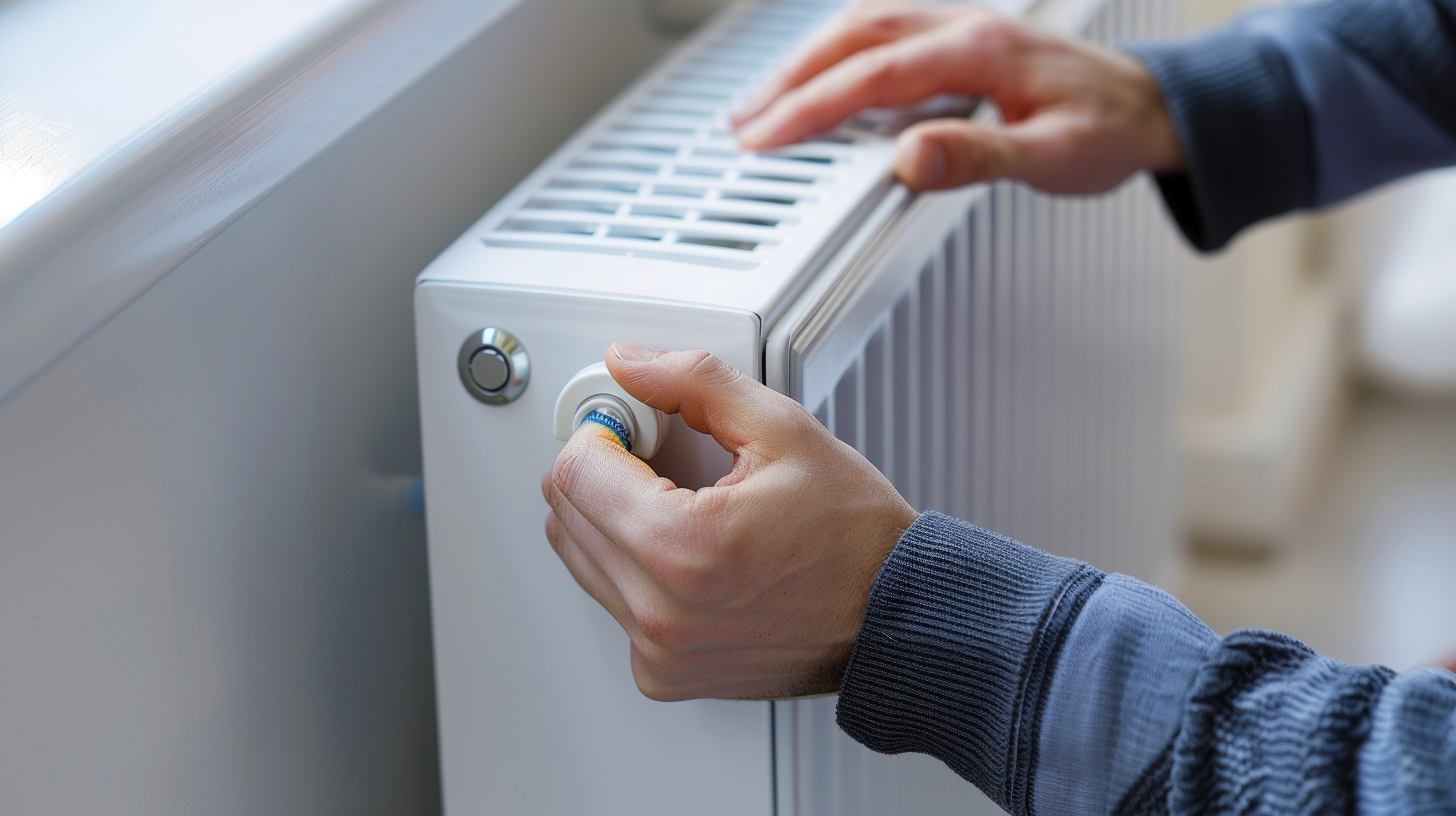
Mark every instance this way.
x=1056 y=688
x=1303 y=106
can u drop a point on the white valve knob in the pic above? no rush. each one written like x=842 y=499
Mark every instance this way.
x=593 y=389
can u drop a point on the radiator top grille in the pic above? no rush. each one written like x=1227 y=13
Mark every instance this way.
x=664 y=178
x=653 y=197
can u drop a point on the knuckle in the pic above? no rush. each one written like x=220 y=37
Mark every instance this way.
x=709 y=369
x=571 y=470
x=557 y=535
x=800 y=422
x=665 y=630
x=885 y=18
x=992 y=32
x=882 y=71
x=655 y=686
x=688 y=576
x=879 y=68
x=790 y=427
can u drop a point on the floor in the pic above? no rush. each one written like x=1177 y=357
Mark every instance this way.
x=1371 y=575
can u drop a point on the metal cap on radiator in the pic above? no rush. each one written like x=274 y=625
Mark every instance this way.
x=494 y=366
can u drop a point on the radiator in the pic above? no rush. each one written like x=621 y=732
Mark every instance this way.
x=1001 y=355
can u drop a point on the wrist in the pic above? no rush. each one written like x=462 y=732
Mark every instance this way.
x=955 y=654
x=1160 y=150
x=890 y=527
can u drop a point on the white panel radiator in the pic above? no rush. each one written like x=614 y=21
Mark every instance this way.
x=1001 y=355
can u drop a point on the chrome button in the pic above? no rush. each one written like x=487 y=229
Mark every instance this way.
x=494 y=366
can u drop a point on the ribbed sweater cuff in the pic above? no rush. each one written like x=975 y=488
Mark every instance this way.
x=960 y=636
x=1244 y=129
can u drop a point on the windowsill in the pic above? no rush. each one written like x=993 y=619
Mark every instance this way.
x=87 y=78
x=133 y=133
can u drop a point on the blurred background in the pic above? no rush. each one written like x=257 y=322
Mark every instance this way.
x=1318 y=427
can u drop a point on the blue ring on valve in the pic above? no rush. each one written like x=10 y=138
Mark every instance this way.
x=610 y=423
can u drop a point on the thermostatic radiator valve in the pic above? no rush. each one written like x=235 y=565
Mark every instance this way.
x=593 y=396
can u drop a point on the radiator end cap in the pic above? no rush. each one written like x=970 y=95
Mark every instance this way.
x=494 y=366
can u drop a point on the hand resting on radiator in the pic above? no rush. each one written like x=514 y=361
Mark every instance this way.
x=1078 y=118
x=752 y=588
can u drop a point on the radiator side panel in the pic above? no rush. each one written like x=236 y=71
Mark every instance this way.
x=538 y=713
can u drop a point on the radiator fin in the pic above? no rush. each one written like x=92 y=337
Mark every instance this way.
x=1024 y=381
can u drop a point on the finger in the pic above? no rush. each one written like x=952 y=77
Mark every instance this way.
x=824 y=48
x=847 y=33
x=712 y=396
x=589 y=575
x=595 y=455
x=945 y=153
x=975 y=56
x=611 y=502
x=616 y=564
x=892 y=74
x=598 y=543
x=1041 y=151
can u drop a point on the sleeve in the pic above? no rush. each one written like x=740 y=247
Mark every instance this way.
x=1305 y=105
x=1056 y=688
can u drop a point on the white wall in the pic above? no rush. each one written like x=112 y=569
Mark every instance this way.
x=210 y=600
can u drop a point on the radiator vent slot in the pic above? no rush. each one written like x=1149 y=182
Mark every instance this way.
x=661 y=176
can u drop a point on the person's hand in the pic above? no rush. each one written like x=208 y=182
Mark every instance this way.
x=752 y=588
x=1078 y=118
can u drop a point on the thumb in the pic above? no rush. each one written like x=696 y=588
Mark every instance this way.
x=713 y=397
x=944 y=153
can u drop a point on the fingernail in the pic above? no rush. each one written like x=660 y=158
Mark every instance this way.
x=750 y=111
x=752 y=133
x=629 y=353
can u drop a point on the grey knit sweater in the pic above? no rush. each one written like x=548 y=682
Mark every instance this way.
x=1056 y=688
x=1306 y=105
